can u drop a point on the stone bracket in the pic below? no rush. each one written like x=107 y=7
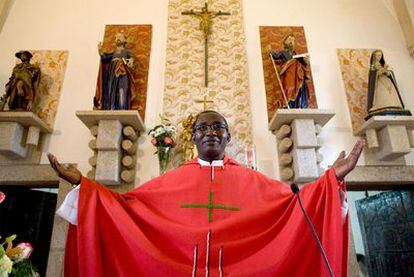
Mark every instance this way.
x=380 y=178
x=20 y=134
x=389 y=139
x=114 y=144
x=296 y=133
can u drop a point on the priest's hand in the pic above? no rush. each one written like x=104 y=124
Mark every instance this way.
x=68 y=173
x=342 y=165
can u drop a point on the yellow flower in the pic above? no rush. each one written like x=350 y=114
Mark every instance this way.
x=12 y=252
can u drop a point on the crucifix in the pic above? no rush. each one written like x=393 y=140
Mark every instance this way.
x=205 y=17
x=204 y=101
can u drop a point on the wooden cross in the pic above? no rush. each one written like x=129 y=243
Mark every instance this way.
x=204 y=101
x=205 y=17
x=210 y=206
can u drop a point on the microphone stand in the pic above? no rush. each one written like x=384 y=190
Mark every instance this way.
x=295 y=190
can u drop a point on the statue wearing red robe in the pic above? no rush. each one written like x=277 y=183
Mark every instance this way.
x=294 y=75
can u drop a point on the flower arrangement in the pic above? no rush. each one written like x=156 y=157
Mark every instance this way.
x=14 y=261
x=163 y=134
x=163 y=137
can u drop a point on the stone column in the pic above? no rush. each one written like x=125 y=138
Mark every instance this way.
x=304 y=150
x=296 y=133
x=108 y=147
x=114 y=144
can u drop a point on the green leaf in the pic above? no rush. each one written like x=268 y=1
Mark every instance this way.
x=24 y=268
x=11 y=238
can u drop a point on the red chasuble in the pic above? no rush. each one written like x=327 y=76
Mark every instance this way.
x=190 y=222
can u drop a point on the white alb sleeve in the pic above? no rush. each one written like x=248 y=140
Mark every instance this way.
x=344 y=204
x=69 y=208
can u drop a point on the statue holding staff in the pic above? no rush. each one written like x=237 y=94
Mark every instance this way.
x=22 y=85
x=292 y=75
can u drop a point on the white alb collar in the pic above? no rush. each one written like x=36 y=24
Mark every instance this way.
x=213 y=163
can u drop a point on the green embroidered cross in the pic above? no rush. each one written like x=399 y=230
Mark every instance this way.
x=210 y=206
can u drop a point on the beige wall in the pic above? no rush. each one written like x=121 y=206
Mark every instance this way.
x=5 y=6
x=78 y=25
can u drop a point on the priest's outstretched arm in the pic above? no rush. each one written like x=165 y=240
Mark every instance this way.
x=144 y=223
x=342 y=166
x=69 y=173
x=68 y=210
x=163 y=225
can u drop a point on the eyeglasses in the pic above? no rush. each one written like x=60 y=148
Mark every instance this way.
x=218 y=127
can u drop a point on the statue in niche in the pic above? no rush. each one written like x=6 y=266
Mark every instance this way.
x=186 y=135
x=22 y=85
x=293 y=74
x=383 y=95
x=115 y=80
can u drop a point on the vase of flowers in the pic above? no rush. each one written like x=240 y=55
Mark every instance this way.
x=14 y=260
x=163 y=138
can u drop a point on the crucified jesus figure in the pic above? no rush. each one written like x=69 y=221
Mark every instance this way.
x=205 y=17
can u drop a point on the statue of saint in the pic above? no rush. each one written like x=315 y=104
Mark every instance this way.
x=187 y=144
x=115 y=81
x=383 y=95
x=22 y=85
x=292 y=75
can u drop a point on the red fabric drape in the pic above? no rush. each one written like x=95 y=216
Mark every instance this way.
x=147 y=232
x=292 y=74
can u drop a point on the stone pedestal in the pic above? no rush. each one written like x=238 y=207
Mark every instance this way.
x=296 y=133
x=115 y=134
x=380 y=178
x=389 y=139
x=21 y=137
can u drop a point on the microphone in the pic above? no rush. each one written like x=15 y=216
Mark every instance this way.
x=295 y=190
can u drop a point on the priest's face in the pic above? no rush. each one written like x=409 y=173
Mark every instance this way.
x=211 y=136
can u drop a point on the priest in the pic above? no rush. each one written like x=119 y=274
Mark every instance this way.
x=209 y=217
